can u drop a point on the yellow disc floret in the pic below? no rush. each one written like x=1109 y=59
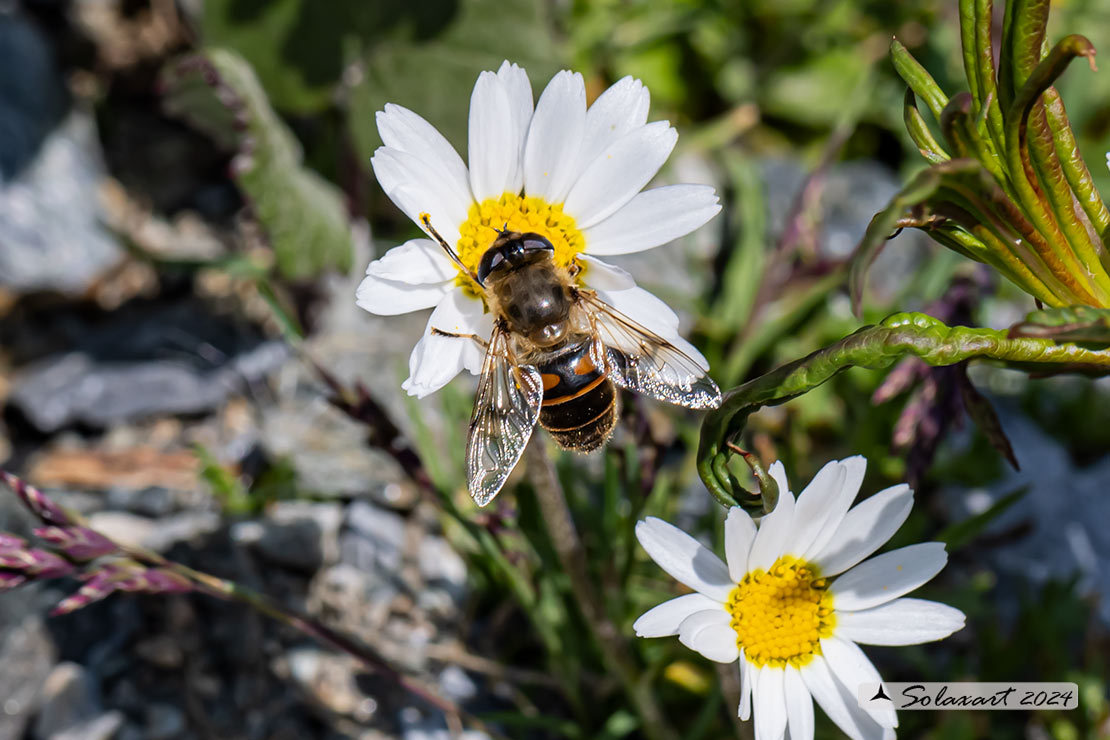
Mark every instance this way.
x=517 y=213
x=781 y=614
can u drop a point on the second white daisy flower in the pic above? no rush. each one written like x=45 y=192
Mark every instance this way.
x=795 y=598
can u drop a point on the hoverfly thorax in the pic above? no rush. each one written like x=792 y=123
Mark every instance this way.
x=518 y=271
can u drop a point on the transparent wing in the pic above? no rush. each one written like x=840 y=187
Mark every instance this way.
x=506 y=408
x=640 y=360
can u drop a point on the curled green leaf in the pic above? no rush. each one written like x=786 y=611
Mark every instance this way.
x=876 y=347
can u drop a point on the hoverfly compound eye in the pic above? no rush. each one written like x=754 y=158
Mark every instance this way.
x=536 y=242
x=491 y=260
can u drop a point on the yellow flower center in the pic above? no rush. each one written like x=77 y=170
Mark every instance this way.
x=781 y=615
x=516 y=213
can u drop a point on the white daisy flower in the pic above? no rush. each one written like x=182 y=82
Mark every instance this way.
x=571 y=174
x=794 y=600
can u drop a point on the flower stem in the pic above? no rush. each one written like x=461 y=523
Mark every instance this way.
x=572 y=556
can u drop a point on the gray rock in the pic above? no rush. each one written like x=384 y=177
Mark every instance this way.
x=164 y=721
x=327 y=449
x=149 y=357
x=27 y=655
x=50 y=220
x=75 y=388
x=329 y=680
x=153 y=502
x=358 y=601
x=1066 y=507
x=32 y=92
x=69 y=698
x=442 y=567
x=851 y=193
x=456 y=685
x=51 y=237
x=297 y=534
x=374 y=538
x=155 y=534
x=416 y=726
x=105 y=726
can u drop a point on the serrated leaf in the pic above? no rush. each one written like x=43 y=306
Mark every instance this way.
x=301 y=214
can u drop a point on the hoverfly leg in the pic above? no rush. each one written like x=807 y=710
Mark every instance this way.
x=441 y=333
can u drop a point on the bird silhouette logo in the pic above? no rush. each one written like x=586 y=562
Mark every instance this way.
x=880 y=694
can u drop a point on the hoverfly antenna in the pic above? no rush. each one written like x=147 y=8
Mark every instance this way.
x=426 y=219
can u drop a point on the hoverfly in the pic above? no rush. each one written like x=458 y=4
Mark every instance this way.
x=556 y=357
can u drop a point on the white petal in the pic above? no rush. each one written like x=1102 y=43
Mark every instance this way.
x=770 y=704
x=618 y=110
x=555 y=138
x=799 y=705
x=708 y=632
x=739 y=535
x=519 y=90
x=900 y=622
x=887 y=576
x=778 y=472
x=618 y=173
x=653 y=217
x=852 y=668
x=437 y=359
x=747 y=676
x=684 y=558
x=864 y=529
x=416 y=262
x=842 y=708
x=603 y=276
x=840 y=499
x=816 y=505
x=417 y=188
x=406 y=131
x=391 y=297
x=663 y=620
x=493 y=150
x=654 y=315
x=773 y=531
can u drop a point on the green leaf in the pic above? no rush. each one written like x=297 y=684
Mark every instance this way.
x=918 y=78
x=226 y=486
x=961 y=533
x=875 y=347
x=300 y=48
x=301 y=214
x=814 y=92
x=433 y=75
x=1069 y=324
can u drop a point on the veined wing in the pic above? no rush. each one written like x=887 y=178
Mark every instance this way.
x=640 y=360
x=506 y=409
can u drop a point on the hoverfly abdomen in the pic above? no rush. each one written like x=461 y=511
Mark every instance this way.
x=579 y=406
